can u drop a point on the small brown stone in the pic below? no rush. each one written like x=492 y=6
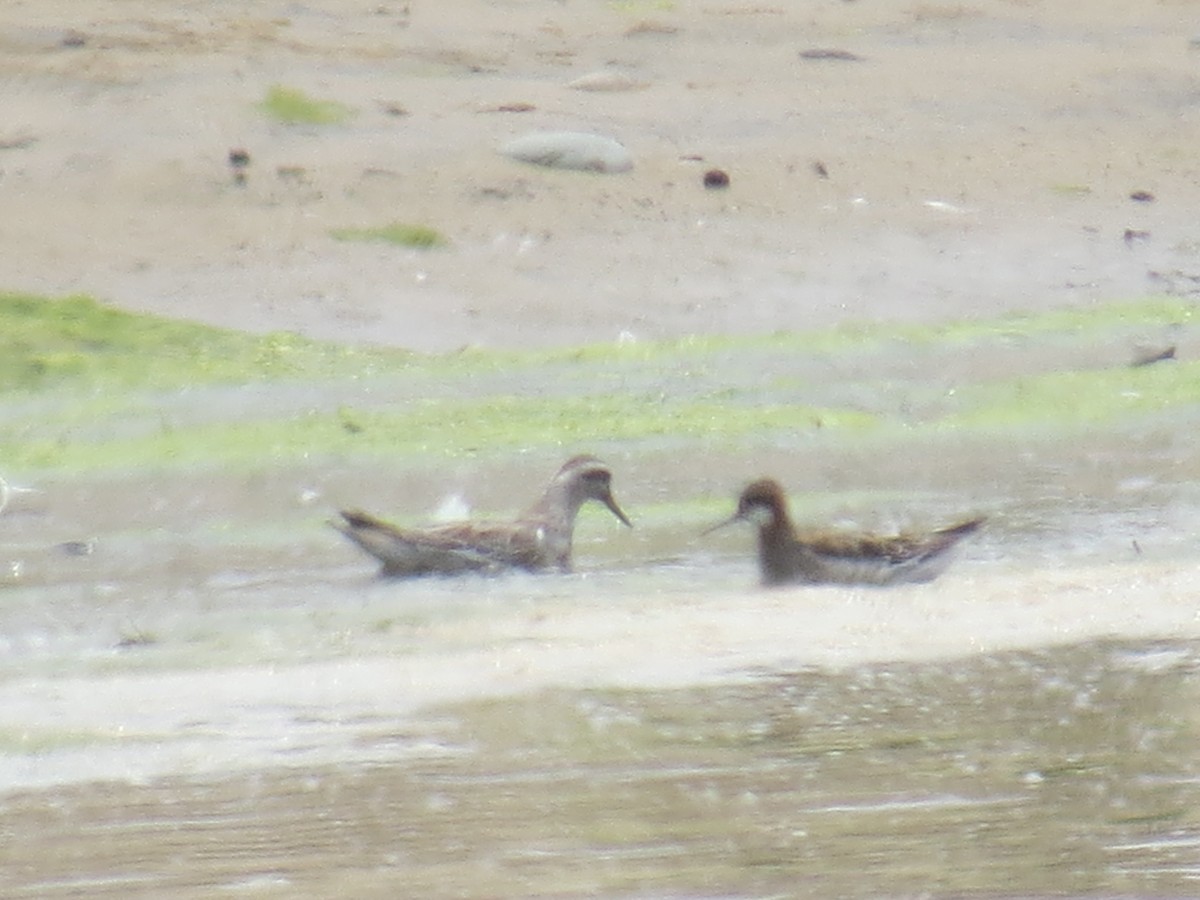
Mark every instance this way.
x=239 y=159
x=715 y=179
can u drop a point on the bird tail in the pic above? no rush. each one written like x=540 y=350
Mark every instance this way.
x=962 y=529
x=356 y=518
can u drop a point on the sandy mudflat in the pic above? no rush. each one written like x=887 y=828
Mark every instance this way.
x=980 y=156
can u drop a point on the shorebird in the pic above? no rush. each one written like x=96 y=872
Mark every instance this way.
x=786 y=556
x=538 y=539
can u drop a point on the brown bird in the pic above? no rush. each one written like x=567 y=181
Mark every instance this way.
x=818 y=557
x=538 y=539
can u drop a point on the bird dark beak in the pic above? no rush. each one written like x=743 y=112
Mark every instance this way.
x=736 y=517
x=611 y=503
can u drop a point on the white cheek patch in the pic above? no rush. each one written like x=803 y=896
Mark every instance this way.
x=760 y=515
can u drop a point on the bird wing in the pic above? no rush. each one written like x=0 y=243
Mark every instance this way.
x=895 y=549
x=505 y=543
x=446 y=549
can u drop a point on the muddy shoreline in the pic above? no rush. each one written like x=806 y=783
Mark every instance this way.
x=978 y=158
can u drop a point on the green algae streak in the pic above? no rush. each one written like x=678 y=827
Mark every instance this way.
x=88 y=387
x=422 y=237
x=294 y=107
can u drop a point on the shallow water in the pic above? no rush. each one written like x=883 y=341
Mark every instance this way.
x=205 y=690
x=1065 y=771
x=221 y=698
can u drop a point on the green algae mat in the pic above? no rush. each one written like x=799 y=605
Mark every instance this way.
x=88 y=388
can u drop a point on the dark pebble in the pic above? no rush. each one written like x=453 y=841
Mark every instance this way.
x=1142 y=197
x=239 y=159
x=823 y=53
x=715 y=179
x=1148 y=357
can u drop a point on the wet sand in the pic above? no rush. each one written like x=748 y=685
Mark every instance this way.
x=978 y=157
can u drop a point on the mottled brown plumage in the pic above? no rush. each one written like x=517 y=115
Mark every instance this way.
x=538 y=539
x=786 y=556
